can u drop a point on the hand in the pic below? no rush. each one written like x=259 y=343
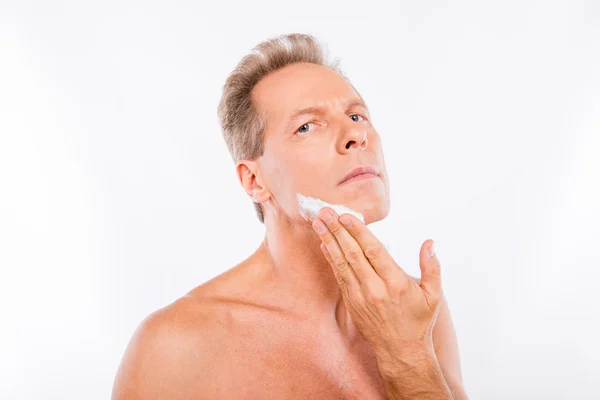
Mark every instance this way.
x=394 y=313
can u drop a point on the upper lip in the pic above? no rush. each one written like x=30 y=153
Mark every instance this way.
x=366 y=169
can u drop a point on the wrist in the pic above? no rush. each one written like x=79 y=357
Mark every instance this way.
x=415 y=376
x=406 y=358
x=413 y=360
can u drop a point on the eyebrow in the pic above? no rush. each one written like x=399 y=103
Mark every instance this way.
x=320 y=110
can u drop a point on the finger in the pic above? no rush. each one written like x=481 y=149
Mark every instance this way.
x=325 y=252
x=342 y=270
x=328 y=258
x=431 y=271
x=380 y=259
x=352 y=252
x=343 y=287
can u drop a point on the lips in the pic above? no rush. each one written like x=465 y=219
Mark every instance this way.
x=367 y=169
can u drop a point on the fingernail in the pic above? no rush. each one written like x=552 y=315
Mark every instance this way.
x=346 y=221
x=432 y=249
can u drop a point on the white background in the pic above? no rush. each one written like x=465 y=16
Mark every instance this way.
x=118 y=194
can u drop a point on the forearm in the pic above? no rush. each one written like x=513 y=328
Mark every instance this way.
x=455 y=386
x=415 y=376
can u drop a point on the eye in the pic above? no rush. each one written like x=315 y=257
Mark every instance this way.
x=356 y=115
x=304 y=127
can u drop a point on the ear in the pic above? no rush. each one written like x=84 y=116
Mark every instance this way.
x=249 y=176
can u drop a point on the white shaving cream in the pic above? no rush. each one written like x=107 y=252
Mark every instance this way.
x=309 y=208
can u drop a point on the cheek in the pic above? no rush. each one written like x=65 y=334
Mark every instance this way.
x=304 y=168
x=309 y=163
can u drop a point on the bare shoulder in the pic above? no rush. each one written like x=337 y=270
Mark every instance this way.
x=170 y=354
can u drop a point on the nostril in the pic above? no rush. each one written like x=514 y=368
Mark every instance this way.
x=352 y=142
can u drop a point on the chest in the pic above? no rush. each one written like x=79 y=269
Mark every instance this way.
x=295 y=368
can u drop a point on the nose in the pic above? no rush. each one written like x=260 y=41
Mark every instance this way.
x=355 y=136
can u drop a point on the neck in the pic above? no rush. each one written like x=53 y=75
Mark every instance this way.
x=298 y=271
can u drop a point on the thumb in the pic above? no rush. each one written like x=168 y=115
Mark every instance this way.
x=431 y=271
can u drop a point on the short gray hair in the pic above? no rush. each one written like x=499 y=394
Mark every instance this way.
x=242 y=126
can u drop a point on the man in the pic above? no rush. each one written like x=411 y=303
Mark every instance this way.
x=318 y=311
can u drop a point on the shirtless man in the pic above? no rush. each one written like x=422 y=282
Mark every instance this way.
x=293 y=321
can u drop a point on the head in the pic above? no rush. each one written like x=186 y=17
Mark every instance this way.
x=293 y=124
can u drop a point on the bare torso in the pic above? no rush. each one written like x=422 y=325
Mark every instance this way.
x=261 y=351
x=243 y=335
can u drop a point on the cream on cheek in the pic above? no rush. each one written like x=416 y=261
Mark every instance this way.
x=309 y=208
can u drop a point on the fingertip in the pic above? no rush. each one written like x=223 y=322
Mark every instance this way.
x=431 y=249
x=330 y=210
x=346 y=220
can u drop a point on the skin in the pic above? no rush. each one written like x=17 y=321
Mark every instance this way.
x=289 y=322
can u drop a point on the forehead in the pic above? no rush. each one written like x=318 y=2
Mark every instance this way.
x=300 y=85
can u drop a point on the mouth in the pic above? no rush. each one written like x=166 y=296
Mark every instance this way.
x=360 y=174
x=360 y=177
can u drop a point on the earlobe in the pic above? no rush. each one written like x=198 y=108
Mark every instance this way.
x=255 y=196
x=259 y=193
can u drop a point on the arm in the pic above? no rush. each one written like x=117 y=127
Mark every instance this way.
x=425 y=374
x=416 y=374
x=446 y=351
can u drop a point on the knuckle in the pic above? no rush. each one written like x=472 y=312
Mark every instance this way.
x=328 y=240
x=436 y=299
x=335 y=229
x=375 y=296
x=373 y=252
x=396 y=286
x=341 y=265
x=341 y=281
x=353 y=256
x=433 y=303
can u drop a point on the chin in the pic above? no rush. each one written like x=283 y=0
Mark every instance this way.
x=371 y=217
x=372 y=211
